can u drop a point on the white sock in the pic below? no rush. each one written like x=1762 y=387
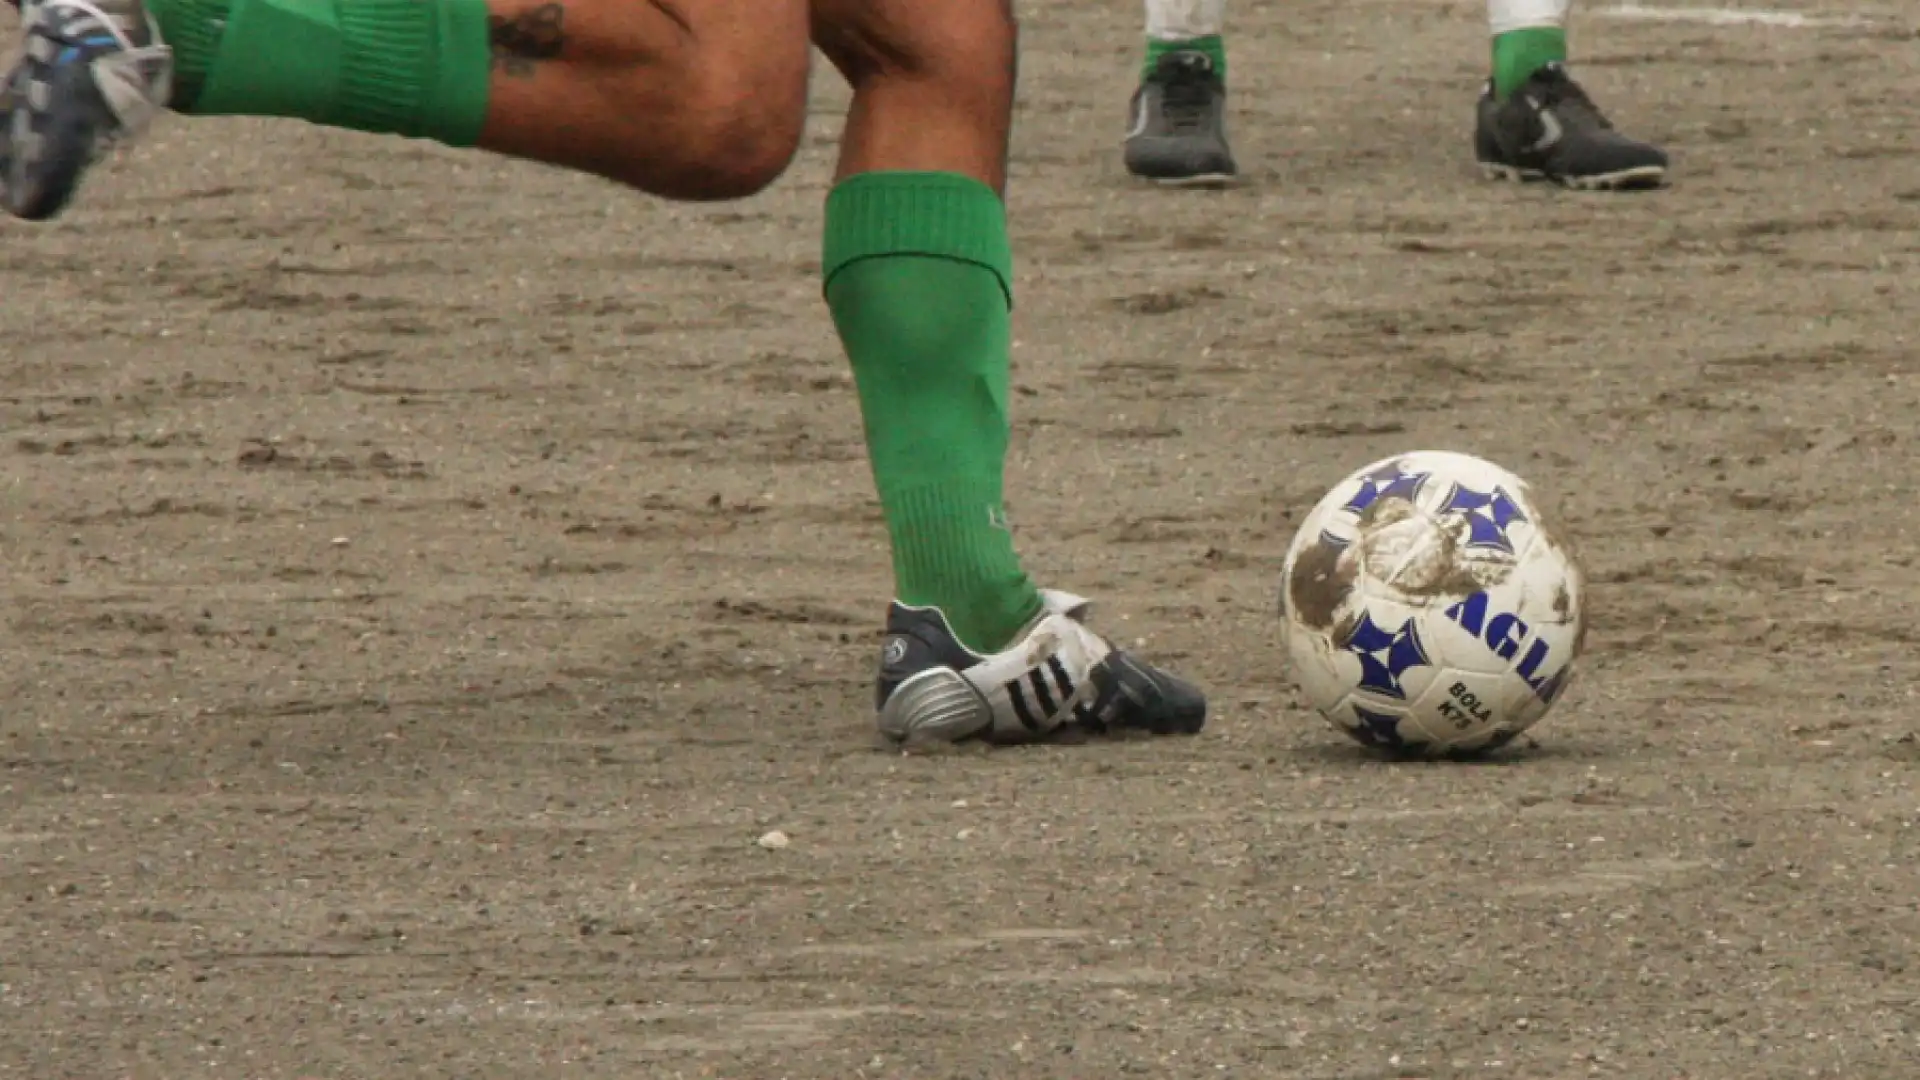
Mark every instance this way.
x=1185 y=20
x=1506 y=16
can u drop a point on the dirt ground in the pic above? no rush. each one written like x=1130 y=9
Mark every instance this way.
x=427 y=576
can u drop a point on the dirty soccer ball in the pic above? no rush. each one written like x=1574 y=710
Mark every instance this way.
x=1428 y=607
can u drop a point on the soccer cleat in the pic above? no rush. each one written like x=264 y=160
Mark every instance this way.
x=1057 y=676
x=1549 y=129
x=89 y=73
x=1179 y=132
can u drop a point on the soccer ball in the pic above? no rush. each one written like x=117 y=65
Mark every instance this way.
x=1429 y=609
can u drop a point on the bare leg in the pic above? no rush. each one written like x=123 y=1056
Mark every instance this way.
x=688 y=99
x=932 y=82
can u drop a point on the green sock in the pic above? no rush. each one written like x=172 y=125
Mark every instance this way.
x=417 y=68
x=1214 y=46
x=1517 y=54
x=917 y=271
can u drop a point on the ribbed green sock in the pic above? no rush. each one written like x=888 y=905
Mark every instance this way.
x=917 y=271
x=418 y=68
x=1214 y=46
x=1518 y=54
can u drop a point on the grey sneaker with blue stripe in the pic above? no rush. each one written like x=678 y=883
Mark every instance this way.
x=89 y=73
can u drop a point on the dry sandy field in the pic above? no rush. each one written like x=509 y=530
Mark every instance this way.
x=427 y=577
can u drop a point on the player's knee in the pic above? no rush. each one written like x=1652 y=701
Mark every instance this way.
x=966 y=50
x=731 y=119
x=736 y=146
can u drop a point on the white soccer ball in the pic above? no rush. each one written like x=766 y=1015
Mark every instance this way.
x=1429 y=608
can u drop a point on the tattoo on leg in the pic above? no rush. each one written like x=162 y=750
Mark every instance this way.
x=519 y=41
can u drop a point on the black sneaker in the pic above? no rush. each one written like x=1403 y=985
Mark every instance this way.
x=1549 y=129
x=1059 y=678
x=1179 y=132
x=89 y=73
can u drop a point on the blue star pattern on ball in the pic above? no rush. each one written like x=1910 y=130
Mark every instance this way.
x=1387 y=481
x=1377 y=728
x=1385 y=655
x=1488 y=514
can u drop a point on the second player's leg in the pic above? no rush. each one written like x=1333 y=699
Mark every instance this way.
x=919 y=277
x=690 y=99
x=1177 y=122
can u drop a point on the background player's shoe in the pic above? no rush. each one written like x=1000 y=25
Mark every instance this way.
x=89 y=72
x=1057 y=675
x=1179 y=132
x=1549 y=129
